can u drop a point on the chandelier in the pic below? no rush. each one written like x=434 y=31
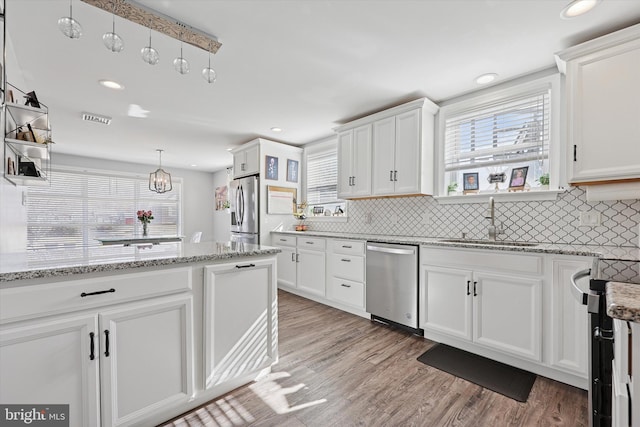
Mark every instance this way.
x=160 y=180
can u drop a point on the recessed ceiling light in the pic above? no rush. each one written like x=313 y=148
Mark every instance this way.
x=577 y=8
x=193 y=166
x=111 y=84
x=486 y=78
x=276 y=129
x=229 y=149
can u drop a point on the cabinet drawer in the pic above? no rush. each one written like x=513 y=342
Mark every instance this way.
x=45 y=299
x=349 y=247
x=347 y=267
x=347 y=292
x=311 y=243
x=283 y=240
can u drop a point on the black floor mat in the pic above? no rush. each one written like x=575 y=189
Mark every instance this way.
x=504 y=379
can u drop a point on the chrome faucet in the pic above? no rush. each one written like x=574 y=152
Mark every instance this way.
x=491 y=214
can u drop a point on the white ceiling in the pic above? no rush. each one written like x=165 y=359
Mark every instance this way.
x=305 y=66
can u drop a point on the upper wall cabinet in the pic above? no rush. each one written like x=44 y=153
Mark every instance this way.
x=400 y=151
x=603 y=112
x=246 y=160
x=354 y=162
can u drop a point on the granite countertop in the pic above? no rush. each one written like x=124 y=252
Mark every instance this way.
x=17 y=267
x=623 y=301
x=616 y=253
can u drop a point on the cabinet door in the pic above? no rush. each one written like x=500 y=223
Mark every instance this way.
x=361 y=155
x=286 y=262
x=569 y=319
x=507 y=313
x=407 y=153
x=49 y=363
x=383 y=156
x=603 y=90
x=147 y=364
x=345 y=145
x=311 y=271
x=252 y=160
x=445 y=296
x=240 y=319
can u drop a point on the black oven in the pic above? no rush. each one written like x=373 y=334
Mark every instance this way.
x=600 y=348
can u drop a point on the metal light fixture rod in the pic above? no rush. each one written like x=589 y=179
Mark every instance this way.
x=150 y=18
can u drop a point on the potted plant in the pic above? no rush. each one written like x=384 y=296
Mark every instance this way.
x=451 y=188
x=544 y=181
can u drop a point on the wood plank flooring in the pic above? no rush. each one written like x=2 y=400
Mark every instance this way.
x=337 y=369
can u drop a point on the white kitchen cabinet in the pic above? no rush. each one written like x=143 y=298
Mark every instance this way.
x=286 y=260
x=354 y=162
x=146 y=358
x=603 y=113
x=239 y=338
x=500 y=311
x=346 y=272
x=569 y=319
x=49 y=362
x=311 y=259
x=246 y=161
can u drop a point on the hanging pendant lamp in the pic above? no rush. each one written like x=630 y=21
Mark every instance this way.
x=149 y=54
x=209 y=73
x=69 y=26
x=180 y=64
x=113 y=41
x=160 y=181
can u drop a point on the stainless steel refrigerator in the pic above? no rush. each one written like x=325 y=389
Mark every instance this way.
x=245 y=210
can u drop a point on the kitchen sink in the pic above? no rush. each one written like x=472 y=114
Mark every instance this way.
x=488 y=242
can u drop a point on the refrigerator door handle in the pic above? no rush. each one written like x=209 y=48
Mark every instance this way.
x=240 y=201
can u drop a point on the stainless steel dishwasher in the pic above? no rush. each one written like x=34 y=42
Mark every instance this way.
x=392 y=285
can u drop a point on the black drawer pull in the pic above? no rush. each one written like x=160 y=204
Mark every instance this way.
x=345 y=260
x=283 y=240
x=347 y=246
x=106 y=343
x=345 y=286
x=309 y=243
x=245 y=266
x=92 y=345
x=88 y=294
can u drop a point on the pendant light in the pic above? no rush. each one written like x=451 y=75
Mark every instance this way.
x=160 y=181
x=113 y=41
x=209 y=73
x=180 y=64
x=69 y=26
x=149 y=54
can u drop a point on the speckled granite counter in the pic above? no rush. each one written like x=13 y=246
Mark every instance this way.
x=623 y=301
x=17 y=267
x=602 y=252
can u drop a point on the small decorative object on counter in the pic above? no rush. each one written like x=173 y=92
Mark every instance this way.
x=544 y=181
x=145 y=218
x=451 y=188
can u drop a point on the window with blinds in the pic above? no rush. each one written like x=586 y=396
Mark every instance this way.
x=496 y=137
x=65 y=218
x=322 y=177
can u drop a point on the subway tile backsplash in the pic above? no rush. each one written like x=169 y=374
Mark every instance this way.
x=555 y=221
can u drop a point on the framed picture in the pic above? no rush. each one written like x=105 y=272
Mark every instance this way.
x=518 y=178
x=281 y=200
x=292 y=170
x=470 y=183
x=221 y=198
x=271 y=167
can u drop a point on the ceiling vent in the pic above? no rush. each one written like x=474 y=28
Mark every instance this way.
x=96 y=118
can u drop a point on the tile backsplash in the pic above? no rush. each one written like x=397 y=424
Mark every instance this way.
x=555 y=221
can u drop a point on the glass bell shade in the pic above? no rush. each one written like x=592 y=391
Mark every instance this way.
x=181 y=65
x=113 y=42
x=150 y=55
x=70 y=27
x=209 y=74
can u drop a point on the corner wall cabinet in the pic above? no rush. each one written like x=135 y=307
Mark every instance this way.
x=603 y=113
x=246 y=160
x=27 y=141
x=399 y=153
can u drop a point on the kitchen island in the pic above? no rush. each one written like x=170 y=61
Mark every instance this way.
x=136 y=336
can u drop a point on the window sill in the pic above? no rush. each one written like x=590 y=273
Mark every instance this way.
x=519 y=196
x=342 y=218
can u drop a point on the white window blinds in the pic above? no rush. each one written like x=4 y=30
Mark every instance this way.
x=322 y=177
x=505 y=132
x=65 y=218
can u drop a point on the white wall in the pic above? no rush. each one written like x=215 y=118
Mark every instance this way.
x=221 y=218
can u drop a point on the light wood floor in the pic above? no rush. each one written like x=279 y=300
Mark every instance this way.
x=336 y=369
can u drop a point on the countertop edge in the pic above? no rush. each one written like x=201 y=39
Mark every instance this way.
x=623 y=301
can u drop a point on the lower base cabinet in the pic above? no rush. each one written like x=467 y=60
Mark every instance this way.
x=239 y=338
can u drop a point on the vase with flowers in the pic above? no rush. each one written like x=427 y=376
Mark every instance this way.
x=145 y=218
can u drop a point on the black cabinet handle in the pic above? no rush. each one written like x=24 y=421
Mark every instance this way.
x=106 y=343
x=395 y=175
x=475 y=294
x=390 y=175
x=293 y=257
x=283 y=240
x=468 y=285
x=345 y=260
x=309 y=243
x=347 y=246
x=88 y=294
x=92 y=346
x=345 y=286
x=245 y=266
